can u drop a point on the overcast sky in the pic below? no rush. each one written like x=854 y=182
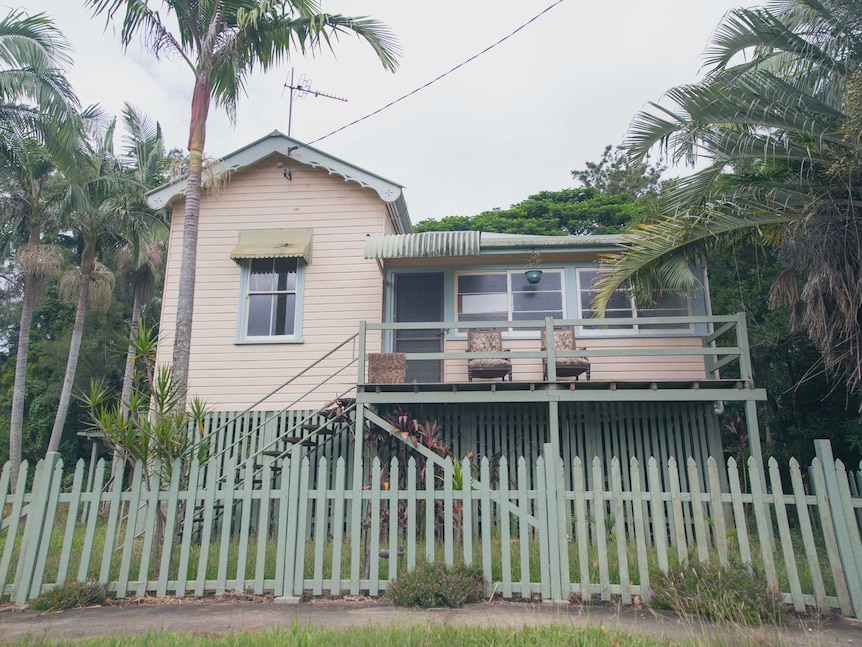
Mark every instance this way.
x=514 y=122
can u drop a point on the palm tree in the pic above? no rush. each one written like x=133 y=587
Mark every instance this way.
x=38 y=128
x=95 y=205
x=222 y=42
x=141 y=258
x=780 y=136
x=36 y=100
x=25 y=172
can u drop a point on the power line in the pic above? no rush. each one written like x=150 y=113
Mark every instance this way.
x=445 y=74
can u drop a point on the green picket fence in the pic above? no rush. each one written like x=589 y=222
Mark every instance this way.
x=303 y=529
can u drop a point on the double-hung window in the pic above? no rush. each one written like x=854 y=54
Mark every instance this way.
x=271 y=298
x=273 y=263
x=507 y=296
x=623 y=306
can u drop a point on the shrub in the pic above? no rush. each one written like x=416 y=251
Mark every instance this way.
x=69 y=595
x=435 y=585
x=730 y=593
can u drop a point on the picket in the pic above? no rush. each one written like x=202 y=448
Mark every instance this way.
x=802 y=514
x=329 y=538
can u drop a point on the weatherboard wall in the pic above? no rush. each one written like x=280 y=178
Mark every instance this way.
x=341 y=287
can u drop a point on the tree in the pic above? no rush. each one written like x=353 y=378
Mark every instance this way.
x=780 y=134
x=35 y=97
x=141 y=258
x=569 y=212
x=222 y=42
x=95 y=207
x=37 y=118
x=618 y=173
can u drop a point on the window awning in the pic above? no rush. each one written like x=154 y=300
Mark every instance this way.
x=273 y=243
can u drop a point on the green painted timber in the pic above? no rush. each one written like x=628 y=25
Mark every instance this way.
x=515 y=518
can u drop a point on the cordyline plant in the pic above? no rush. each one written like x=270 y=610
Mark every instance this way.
x=150 y=427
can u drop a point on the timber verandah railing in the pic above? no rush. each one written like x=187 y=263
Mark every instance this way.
x=723 y=343
x=303 y=536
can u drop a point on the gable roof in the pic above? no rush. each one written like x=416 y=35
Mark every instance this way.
x=277 y=142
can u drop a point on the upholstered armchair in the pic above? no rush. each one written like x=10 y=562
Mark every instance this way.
x=481 y=340
x=564 y=339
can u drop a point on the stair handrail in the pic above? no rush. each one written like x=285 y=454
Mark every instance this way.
x=292 y=379
x=301 y=422
x=275 y=415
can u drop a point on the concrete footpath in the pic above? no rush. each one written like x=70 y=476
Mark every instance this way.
x=213 y=618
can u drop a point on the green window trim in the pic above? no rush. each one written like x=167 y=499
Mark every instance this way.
x=285 y=293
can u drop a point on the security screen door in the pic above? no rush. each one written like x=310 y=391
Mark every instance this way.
x=419 y=297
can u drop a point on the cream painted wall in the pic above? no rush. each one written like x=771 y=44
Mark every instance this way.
x=341 y=286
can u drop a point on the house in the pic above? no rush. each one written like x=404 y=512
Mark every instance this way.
x=308 y=270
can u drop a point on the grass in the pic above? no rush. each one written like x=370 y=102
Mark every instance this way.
x=418 y=635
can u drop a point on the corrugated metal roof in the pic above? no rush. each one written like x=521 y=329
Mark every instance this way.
x=429 y=244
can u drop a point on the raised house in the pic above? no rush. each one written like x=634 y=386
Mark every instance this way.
x=317 y=311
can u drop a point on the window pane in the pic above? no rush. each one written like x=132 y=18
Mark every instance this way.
x=285 y=269
x=481 y=283
x=259 y=313
x=531 y=302
x=261 y=278
x=551 y=280
x=483 y=303
x=669 y=304
x=284 y=314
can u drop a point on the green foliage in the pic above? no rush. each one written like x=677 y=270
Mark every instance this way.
x=575 y=212
x=150 y=425
x=804 y=403
x=730 y=593
x=775 y=124
x=436 y=585
x=70 y=594
x=617 y=173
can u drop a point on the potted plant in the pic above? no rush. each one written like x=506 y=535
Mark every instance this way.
x=533 y=273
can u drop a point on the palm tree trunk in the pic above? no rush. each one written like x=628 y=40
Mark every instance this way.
x=129 y=372
x=130 y=353
x=71 y=364
x=16 y=423
x=188 y=265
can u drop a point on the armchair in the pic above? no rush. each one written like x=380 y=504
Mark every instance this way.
x=481 y=340
x=564 y=339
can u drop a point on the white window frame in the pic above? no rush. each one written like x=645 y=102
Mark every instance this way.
x=242 y=336
x=627 y=330
x=508 y=316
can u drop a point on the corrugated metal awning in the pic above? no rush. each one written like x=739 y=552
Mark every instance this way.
x=273 y=243
x=429 y=244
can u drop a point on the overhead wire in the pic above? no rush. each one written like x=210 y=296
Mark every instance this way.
x=439 y=77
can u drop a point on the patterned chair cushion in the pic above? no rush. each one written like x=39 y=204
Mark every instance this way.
x=490 y=362
x=485 y=341
x=387 y=368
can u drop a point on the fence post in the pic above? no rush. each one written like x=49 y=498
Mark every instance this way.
x=34 y=530
x=849 y=559
x=293 y=544
x=557 y=528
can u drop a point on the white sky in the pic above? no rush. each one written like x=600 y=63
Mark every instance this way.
x=514 y=122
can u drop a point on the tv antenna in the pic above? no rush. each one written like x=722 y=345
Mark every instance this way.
x=300 y=90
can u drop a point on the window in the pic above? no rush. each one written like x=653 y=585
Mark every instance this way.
x=271 y=298
x=504 y=296
x=621 y=306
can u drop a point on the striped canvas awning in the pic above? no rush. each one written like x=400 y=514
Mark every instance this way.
x=273 y=243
